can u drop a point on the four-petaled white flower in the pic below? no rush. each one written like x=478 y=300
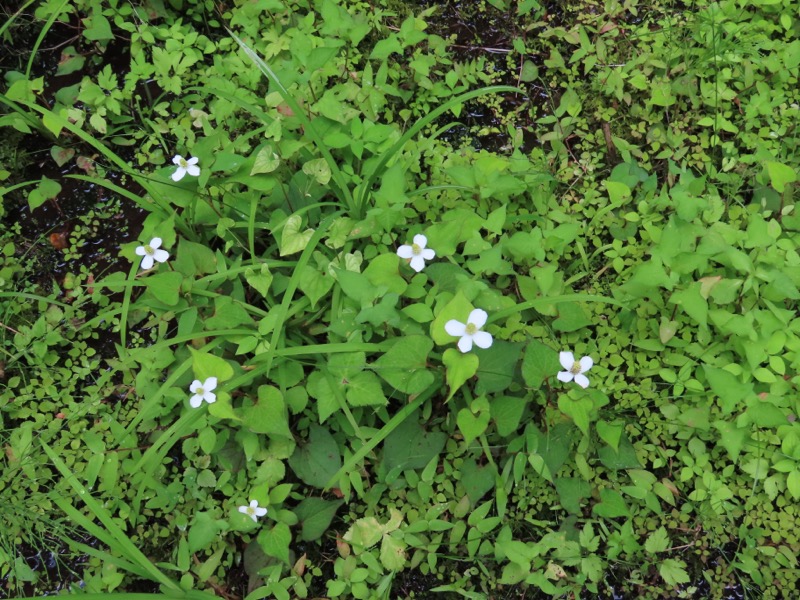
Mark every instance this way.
x=203 y=391
x=417 y=252
x=575 y=369
x=253 y=511
x=470 y=332
x=150 y=253
x=184 y=167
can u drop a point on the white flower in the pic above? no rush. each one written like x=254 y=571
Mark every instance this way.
x=184 y=167
x=470 y=332
x=575 y=369
x=253 y=511
x=417 y=252
x=151 y=253
x=203 y=391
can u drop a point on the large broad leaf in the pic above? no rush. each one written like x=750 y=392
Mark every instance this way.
x=315 y=515
x=410 y=446
x=166 y=287
x=269 y=414
x=539 y=363
x=477 y=480
x=292 y=239
x=497 y=366
x=460 y=367
x=318 y=460
x=404 y=365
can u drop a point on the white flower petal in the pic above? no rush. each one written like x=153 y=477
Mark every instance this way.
x=586 y=364
x=567 y=359
x=243 y=509
x=196 y=401
x=455 y=328
x=210 y=384
x=260 y=512
x=196 y=385
x=565 y=376
x=478 y=317
x=417 y=263
x=141 y=251
x=161 y=256
x=405 y=251
x=582 y=380
x=178 y=174
x=253 y=503
x=420 y=240
x=465 y=343
x=192 y=161
x=176 y=160
x=193 y=170
x=482 y=339
x=155 y=243
x=254 y=517
x=428 y=254
x=147 y=262
x=210 y=397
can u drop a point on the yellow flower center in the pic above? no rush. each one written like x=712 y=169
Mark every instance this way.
x=148 y=249
x=472 y=329
x=251 y=511
x=576 y=368
x=183 y=162
x=415 y=249
x=200 y=392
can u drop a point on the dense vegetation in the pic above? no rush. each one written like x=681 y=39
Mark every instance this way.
x=487 y=299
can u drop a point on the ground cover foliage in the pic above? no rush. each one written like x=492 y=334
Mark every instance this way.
x=610 y=179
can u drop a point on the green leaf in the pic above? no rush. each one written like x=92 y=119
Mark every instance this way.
x=610 y=433
x=779 y=175
x=730 y=391
x=261 y=280
x=404 y=365
x=571 y=317
x=316 y=461
x=611 y=505
x=673 y=571
x=269 y=414
x=623 y=458
x=793 y=483
x=506 y=412
x=459 y=309
x=292 y=240
x=460 y=367
x=319 y=170
x=165 y=287
x=207 y=365
x=477 y=480
x=539 y=363
x=314 y=283
x=315 y=516
x=571 y=491
x=266 y=161
x=275 y=542
x=203 y=531
x=383 y=272
x=497 y=366
x=409 y=446
x=692 y=301
x=472 y=421
x=364 y=389
x=578 y=410
x=658 y=541
x=393 y=553
x=46 y=190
